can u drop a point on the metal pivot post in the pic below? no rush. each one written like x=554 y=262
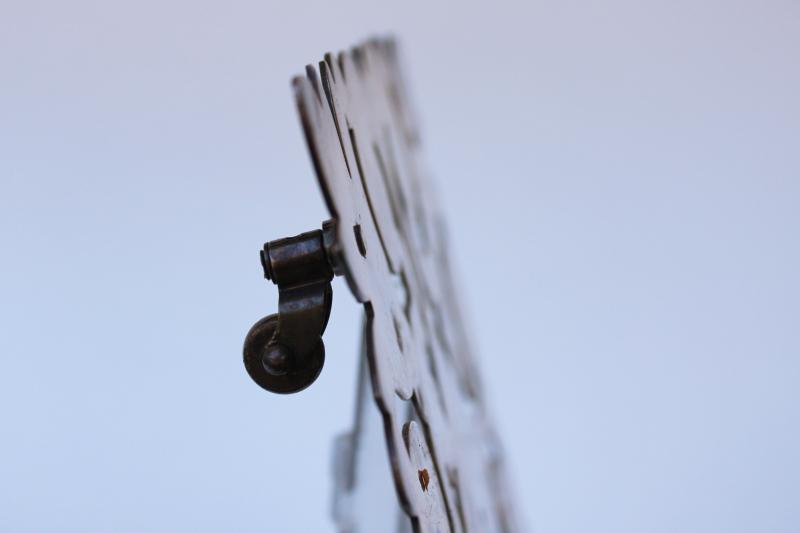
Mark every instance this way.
x=284 y=352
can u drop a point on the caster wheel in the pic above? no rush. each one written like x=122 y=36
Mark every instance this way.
x=273 y=367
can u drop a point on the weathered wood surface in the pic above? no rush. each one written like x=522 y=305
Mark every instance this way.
x=391 y=245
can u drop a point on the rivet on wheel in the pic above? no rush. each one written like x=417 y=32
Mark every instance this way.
x=277 y=360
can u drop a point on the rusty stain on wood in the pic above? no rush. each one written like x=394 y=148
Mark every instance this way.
x=424 y=479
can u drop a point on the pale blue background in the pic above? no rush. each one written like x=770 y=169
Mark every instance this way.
x=634 y=166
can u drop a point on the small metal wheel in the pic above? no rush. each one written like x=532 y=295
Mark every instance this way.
x=273 y=366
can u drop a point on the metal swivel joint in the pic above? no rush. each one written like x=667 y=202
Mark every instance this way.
x=284 y=352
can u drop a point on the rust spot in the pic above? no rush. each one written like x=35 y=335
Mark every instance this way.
x=424 y=478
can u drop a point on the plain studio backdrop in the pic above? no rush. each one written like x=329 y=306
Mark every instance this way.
x=634 y=167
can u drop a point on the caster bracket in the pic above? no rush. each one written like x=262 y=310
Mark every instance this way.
x=284 y=352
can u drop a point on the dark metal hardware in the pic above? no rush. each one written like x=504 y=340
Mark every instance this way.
x=284 y=352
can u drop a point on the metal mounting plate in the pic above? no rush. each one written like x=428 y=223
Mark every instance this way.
x=391 y=245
